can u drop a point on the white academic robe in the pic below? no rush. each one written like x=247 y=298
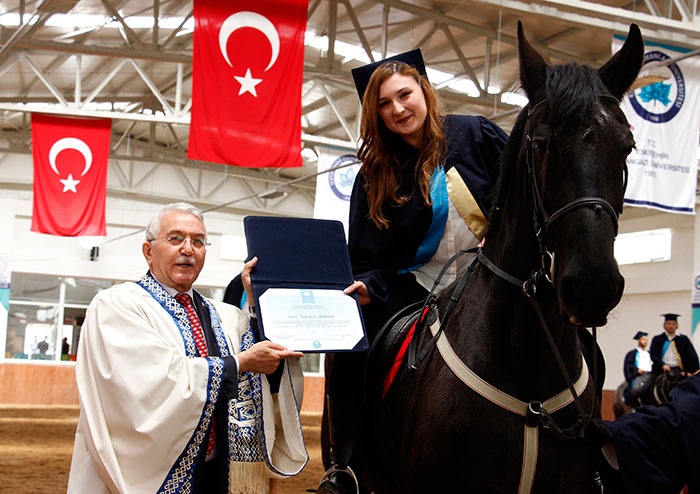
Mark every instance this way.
x=144 y=402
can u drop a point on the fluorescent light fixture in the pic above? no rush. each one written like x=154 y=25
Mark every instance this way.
x=82 y=21
x=514 y=99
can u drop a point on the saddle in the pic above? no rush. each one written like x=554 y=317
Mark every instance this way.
x=395 y=337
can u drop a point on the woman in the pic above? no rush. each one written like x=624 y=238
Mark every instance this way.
x=422 y=195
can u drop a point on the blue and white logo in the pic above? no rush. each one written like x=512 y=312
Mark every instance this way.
x=660 y=102
x=317 y=344
x=307 y=297
x=342 y=180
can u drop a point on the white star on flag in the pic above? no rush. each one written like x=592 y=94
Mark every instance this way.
x=248 y=83
x=69 y=184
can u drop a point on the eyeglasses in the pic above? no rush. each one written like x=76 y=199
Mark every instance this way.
x=177 y=240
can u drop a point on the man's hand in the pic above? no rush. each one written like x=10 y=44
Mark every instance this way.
x=640 y=371
x=362 y=293
x=245 y=279
x=666 y=368
x=264 y=357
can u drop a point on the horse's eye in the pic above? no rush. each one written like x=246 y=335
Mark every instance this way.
x=540 y=144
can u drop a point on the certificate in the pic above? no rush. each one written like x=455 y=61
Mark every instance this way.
x=312 y=320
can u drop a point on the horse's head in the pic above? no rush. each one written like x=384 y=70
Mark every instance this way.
x=576 y=141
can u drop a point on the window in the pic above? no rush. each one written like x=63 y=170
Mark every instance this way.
x=45 y=315
x=644 y=246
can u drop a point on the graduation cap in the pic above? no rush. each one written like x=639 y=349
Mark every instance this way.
x=670 y=317
x=639 y=335
x=361 y=75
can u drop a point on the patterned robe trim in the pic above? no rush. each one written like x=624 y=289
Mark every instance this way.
x=245 y=428
x=179 y=479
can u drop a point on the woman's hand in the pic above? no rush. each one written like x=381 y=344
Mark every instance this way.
x=361 y=290
x=245 y=279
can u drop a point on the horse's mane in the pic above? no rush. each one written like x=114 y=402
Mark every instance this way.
x=572 y=91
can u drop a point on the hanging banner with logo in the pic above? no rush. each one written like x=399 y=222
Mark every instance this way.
x=248 y=62
x=695 y=328
x=70 y=158
x=663 y=114
x=333 y=189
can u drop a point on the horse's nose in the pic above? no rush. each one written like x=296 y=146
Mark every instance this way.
x=588 y=297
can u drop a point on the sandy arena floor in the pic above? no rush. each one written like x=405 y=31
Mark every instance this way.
x=36 y=444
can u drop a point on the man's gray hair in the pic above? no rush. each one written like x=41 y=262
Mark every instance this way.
x=154 y=225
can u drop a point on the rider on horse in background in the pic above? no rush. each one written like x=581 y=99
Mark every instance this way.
x=638 y=369
x=671 y=351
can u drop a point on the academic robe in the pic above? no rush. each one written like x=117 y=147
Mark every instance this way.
x=657 y=446
x=379 y=256
x=384 y=258
x=147 y=400
x=686 y=351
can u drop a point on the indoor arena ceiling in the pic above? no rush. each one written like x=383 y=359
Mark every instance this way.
x=108 y=58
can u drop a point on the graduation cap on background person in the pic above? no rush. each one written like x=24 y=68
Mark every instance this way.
x=361 y=75
x=670 y=317
x=639 y=335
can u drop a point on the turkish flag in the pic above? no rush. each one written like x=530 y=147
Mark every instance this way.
x=70 y=175
x=248 y=63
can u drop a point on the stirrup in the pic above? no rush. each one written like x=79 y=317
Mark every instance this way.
x=336 y=469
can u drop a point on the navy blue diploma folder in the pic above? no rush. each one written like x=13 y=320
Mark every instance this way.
x=299 y=253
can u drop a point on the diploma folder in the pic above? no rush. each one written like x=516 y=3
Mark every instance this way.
x=306 y=255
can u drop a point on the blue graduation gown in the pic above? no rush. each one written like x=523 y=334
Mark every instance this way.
x=474 y=145
x=685 y=349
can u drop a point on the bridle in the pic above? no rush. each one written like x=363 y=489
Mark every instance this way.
x=540 y=218
x=542 y=221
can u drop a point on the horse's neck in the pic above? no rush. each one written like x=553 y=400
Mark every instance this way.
x=508 y=329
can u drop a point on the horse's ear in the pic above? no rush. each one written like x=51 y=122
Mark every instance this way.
x=533 y=71
x=621 y=70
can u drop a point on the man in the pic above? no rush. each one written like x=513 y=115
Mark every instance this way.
x=637 y=369
x=671 y=350
x=170 y=389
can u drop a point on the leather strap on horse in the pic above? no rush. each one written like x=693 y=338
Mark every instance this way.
x=535 y=413
x=529 y=289
x=415 y=360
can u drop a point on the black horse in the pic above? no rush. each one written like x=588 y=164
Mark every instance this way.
x=555 y=218
x=655 y=393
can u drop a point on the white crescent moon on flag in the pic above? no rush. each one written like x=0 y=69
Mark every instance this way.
x=256 y=21
x=70 y=143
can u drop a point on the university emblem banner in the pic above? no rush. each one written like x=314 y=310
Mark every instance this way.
x=70 y=158
x=333 y=189
x=248 y=62
x=664 y=120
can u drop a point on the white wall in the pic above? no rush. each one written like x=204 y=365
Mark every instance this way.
x=651 y=289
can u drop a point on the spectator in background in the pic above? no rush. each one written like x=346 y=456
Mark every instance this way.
x=638 y=369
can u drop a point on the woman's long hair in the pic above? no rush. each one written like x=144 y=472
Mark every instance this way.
x=380 y=165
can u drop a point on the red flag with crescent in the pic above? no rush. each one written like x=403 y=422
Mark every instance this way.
x=247 y=69
x=70 y=175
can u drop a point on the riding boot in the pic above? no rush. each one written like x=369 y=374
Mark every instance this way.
x=341 y=478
